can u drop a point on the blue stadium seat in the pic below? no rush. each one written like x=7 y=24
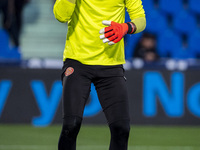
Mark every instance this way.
x=148 y=5
x=6 y=50
x=156 y=22
x=183 y=53
x=4 y=42
x=194 y=41
x=194 y=5
x=171 y=7
x=184 y=22
x=168 y=43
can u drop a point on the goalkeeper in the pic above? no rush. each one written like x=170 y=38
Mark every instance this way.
x=94 y=53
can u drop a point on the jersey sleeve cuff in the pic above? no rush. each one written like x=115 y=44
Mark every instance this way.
x=140 y=24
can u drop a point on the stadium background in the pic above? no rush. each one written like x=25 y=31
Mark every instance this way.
x=164 y=96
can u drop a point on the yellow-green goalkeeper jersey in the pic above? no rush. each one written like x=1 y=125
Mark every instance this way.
x=84 y=23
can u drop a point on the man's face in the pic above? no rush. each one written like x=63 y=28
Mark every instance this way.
x=148 y=42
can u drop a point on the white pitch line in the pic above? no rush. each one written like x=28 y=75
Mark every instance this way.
x=39 y=147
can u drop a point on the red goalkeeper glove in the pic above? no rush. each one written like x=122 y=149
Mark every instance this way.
x=116 y=31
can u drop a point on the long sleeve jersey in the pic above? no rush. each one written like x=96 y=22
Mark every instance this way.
x=85 y=18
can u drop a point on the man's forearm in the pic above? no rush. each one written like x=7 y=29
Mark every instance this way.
x=63 y=9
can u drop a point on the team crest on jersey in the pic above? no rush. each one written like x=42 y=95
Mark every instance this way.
x=69 y=71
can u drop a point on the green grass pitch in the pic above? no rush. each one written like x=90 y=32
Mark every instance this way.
x=24 y=137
